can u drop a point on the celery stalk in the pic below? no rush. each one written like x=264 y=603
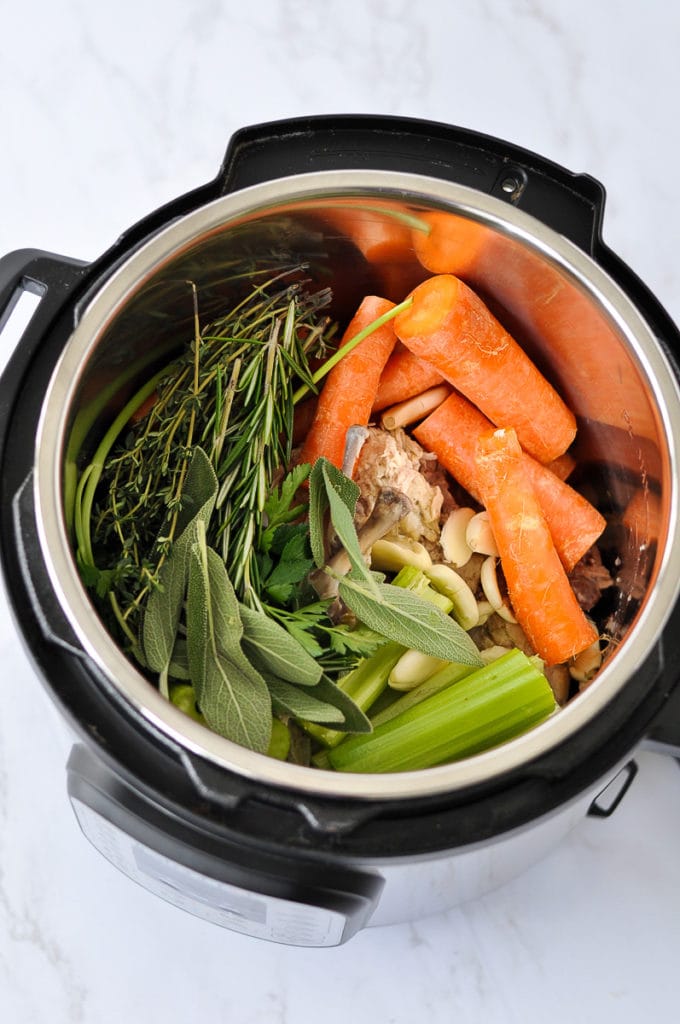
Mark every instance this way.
x=489 y=706
x=445 y=676
x=363 y=684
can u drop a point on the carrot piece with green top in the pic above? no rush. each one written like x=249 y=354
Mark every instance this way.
x=449 y=326
x=348 y=393
x=452 y=433
x=540 y=593
x=404 y=376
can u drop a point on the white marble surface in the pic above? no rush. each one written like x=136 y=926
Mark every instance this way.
x=106 y=112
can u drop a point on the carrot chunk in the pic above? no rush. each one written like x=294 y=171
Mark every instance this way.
x=348 y=394
x=404 y=376
x=452 y=432
x=451 y=245
x=540 y=593
x=448 y=325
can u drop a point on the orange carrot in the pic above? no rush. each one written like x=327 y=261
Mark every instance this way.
x=378 y=235
x=563 y=466
x=448 y=325
x=540 y=593
x=642 y=517
x=348 y=394
x=452 y=432
x=453 y=244
x=404 y=376
x=574 y=523
x=383 y=240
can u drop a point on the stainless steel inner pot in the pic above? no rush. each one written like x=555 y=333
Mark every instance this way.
x=580 y=327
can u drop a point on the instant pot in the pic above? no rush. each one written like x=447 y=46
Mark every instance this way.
x=273 y=849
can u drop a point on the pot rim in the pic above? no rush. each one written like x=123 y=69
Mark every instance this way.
x=137 y=692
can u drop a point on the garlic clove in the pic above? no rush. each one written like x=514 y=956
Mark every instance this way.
x=586 y=664
x=488 y=578
x=393 y=555
x=448 y=582
x=454 y=546
x=479 y=535
x=412 y=669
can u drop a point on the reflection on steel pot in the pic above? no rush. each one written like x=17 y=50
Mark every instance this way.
x=266 y=847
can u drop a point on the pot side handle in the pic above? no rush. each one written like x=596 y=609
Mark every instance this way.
x=51 y=279
x=572 y=204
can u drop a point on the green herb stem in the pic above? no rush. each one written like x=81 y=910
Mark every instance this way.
x=488 y=707
x=344 y=350
x=90 y=479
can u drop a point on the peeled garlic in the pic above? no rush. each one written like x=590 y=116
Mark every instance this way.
x=584 y=665
x=485 y=611
x=413 y=668
x=393 y=555
x=490 y=654
x=448 y=582
x=452 y=538
x=489 y=579
x=479 y=535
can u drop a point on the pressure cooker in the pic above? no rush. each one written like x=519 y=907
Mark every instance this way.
x=258 y=845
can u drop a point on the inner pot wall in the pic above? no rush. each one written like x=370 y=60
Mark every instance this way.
x=581 y=329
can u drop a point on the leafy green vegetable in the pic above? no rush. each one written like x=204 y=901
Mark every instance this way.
x=411 y=620
x=329 y=489
x=288 y=564
x=279 y=508
x=164 y=605
x=271 y=648
x=231 y=694
x=290 y=700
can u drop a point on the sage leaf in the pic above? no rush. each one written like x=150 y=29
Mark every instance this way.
x=199 y=492
x=164 y=608
x=301 y=703
x=236 y=704
x=402 y=616
x=179 y=663
x=164 y=604
x=271 y=648
x=342 y=517
x=354 y=718
x=318 y=505
x=326 y=481
x=231 y=693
